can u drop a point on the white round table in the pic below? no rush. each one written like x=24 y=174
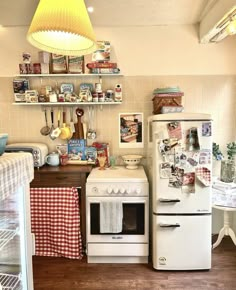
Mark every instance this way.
x=226 y=230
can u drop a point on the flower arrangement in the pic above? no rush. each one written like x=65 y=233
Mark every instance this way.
x=216 y=152
x=218 y=155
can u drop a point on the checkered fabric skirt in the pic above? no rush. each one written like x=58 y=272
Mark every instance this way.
x=55 y=221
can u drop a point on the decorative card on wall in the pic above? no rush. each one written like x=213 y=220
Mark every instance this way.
x=131 y=130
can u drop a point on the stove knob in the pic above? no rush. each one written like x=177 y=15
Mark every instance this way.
x=128 y=190
x=116 y=190
x=122 y=190
x=138 y=190
x=109 y=190
x=94 y=190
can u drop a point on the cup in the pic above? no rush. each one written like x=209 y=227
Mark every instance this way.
x=53 y=159
x=112 y=162
x=102 y=162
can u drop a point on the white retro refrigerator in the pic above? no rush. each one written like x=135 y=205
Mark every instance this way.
x=181 y=190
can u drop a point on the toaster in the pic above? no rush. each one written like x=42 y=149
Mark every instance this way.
x=38 y=150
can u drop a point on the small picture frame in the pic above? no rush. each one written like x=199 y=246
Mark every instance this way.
x=131 y=130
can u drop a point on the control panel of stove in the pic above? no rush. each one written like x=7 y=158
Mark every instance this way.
x=119 y=189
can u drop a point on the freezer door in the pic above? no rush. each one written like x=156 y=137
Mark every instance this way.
x=167 y=198
x=182 y=242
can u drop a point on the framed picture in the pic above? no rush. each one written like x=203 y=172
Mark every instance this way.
x=131 y=130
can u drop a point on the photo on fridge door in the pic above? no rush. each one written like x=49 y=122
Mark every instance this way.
x=165 y=170
x=188 y=182
x=174 y=130
x=192 y=139
x=206 y=129
x=176 y=178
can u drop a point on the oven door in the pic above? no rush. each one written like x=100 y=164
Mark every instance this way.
x=134 y=225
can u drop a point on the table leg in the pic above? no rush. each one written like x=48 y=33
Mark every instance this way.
x=219 y=239
x=232 y=235
x=225 y=231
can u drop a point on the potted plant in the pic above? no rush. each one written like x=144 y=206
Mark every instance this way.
x=227 y=171
x=216 y=152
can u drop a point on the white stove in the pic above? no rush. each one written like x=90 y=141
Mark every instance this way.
x=130 y=189
x=117 y=182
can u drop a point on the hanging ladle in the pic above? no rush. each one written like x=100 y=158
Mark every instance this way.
x=46 y=129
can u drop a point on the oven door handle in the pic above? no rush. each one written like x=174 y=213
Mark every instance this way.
x=124 y=202
x=163 y=225
x=168 y=200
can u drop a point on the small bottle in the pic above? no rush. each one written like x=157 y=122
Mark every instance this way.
x=118 y=93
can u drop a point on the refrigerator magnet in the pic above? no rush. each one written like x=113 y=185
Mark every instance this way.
x=166 y=145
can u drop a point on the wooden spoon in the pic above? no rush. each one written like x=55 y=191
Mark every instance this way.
x=80 y=112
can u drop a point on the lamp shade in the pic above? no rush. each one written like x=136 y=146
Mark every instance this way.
x=62 y=27
x=231 y=28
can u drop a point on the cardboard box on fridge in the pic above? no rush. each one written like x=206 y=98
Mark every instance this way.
x=224 y=198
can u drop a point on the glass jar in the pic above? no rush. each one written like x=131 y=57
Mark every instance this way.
x=227 y=171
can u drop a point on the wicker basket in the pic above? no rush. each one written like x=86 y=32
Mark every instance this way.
x=159 y=102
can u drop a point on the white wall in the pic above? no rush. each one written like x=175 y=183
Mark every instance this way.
x=155 y=50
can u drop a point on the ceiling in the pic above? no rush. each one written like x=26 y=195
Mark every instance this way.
x=118 y=12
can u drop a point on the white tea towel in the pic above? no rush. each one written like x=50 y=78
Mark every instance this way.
x=111 y=216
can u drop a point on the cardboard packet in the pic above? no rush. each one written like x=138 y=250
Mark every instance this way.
x=102 y=150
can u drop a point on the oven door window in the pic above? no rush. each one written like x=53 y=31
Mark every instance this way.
x=133 y=219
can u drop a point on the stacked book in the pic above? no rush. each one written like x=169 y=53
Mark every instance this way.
x=167 y=100
x=102 y=67
x=224 y=194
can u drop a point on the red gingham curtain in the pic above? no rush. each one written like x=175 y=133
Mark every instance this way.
x=55 y=221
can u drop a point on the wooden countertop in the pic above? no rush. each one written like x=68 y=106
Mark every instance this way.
x=66 y=168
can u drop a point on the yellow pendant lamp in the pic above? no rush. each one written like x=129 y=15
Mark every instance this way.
x=231 y=28
x=62 y=27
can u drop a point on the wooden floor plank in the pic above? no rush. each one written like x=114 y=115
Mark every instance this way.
x=65 y=274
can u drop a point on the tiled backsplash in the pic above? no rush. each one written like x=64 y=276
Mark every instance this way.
x=206 y=94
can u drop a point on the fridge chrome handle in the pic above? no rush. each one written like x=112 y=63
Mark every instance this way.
x=169 y=200
x=162 y=225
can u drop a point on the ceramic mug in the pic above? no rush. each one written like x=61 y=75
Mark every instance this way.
x=53 y=159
